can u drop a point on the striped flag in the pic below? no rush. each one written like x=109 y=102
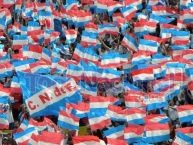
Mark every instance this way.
x=157 y=118
x=135 y=115
x=130 y=42
x=128 y=12
x=133 y=133
x=85 y=140
x=114 y=132
x=51 y=138
x=111 y=141
x=156 y=132
x=185 y=113
x=4 y=123
x=71 y=35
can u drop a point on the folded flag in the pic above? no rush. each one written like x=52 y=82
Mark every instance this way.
x=46 y=97
x=114 y=132
x=156 y=132
x=71 y=35
x=185 y=113
x=157 y=118
x=133 y=133
x=51 y=138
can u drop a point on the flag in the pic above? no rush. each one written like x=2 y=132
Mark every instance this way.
x=4 y=123
x=116 y=113
x=112 y=6
x=89 y=38
x=135 y=115
x=74 y=71
x=98 y=120
x=134 y=3
x=40 y=67
x=113 y=59
x=141 y=57
x=130 y=42
x=128 y=12
x=145 y=74
x=155 y=101
x=71 y=35
x=79 y=110
x=157 y=118
x=88 y=89
x=133 y=133
x=183 y=136
x=100 y=6
x=6 y=69
x=23 y=126
x=111 y=141
x=163 y=11
x=91 y=27
x=185 y=113
x=51 y=138
x=108 y=28
x=134 y=101
x=19 y=41
x=148 y=45
x=156 y=132
x=47 y=95
x=85 y=140
x=160 y=19
x=23 y=66
x=24 y=136
x=68 y=121
x=115 y=132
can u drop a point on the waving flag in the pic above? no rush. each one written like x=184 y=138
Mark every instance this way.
x=51 y=138
x=6 y=69
x=79 y=110
x=145 y=74
x=183 y=136
x=163 y=11
x=88 y=89
x=91 y=27
x=141 y=57
x=148 y=45
x=101 y=6
x=155 y=132
x=98 y=120
x=19 y=41
x=116 y=113
x=134 y=3
x=113 y=60
x=133 y=133
x=40 y=67
x=115 y=132
x=128 y=12
x=71 y=35
x=135 y=115
x=46 y=97
x=74 y=71
x=155 y=101
x=84 y=140
x=160 y=19
x=4 y=123
x=23 y=126
x=112 y=6
x=108 y=28
x=157 y=118
x=24 y=136
x=68 y=121
x=130 y=43
x=186 y=17
x=134 y=101
x=89 y=38
x=185 y=113
x=111 y=141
